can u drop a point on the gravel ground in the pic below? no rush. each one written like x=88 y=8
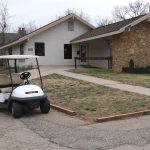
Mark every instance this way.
x=58 y=131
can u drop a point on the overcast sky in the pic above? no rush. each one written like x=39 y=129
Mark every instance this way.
x=44 y=11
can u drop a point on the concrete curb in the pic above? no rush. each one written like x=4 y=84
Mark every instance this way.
x=123 y=116
x=64 y=110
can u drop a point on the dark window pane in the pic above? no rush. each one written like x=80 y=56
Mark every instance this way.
x=40 y=49
x=67 y=51
x=10 y=51
x=21 y=49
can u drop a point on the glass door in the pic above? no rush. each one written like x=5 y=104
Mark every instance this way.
x=83 y=54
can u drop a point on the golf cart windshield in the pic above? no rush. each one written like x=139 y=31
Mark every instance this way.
x=14 y=58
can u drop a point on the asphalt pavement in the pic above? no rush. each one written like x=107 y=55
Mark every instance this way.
x=57 y=131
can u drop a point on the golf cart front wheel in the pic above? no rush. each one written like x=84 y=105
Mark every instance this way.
x=45 y=106
x=17 y=110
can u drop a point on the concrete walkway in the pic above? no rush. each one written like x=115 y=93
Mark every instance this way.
x=108 y=83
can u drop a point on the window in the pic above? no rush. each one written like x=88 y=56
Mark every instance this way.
x=10 y=51
x=40 y=49
x=67 y=51
x=71 y=25
x=21 y=49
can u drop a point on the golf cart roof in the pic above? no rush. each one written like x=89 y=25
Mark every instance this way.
x=18 y=56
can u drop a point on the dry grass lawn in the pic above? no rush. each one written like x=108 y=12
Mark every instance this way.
x=90 y=100
x=133 y=79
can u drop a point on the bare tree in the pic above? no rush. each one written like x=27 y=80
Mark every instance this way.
x=29 y=27
x=72 y=11
x=69 y=11
x=81 y=14
x=119 y=13
x=4 y=17
x=103 y=21
x=131 y=10
x=138 y=8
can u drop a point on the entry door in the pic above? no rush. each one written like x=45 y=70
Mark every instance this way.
x=83 y=54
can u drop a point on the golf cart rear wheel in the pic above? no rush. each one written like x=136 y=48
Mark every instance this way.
x=17 y=110
x=45 y=106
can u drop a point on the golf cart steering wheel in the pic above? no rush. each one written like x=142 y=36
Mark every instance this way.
x=25 y=75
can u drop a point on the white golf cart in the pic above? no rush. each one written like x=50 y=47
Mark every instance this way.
x=16 y=92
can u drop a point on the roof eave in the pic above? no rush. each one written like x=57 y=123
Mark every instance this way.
x=136 y=22
x=13 y=43
x=96 y=37
x=84 y=21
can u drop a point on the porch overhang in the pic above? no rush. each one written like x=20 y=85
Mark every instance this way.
x=96 y=37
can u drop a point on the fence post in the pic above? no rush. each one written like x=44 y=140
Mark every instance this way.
x=108 y=63
x=75 y=62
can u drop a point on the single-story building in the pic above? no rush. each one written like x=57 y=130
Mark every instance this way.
x=122 y=41
x=51 y=42
x=60 y=41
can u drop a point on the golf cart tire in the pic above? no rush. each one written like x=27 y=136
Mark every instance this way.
x=45 y=106
x=17 y=110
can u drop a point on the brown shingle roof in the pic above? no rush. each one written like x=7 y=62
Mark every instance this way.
x=9 y=37
x=107 y=28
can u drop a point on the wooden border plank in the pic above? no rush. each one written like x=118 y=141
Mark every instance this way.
x=123 y=116
x=64 y=110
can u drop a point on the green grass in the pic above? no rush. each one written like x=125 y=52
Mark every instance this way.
x=91 y=101
x=132 y=79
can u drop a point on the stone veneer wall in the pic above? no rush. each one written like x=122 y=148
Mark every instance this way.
x=132 y=45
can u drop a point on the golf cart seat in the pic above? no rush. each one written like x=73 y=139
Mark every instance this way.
x=4 y=80
x=16 y=79
x=6 y=90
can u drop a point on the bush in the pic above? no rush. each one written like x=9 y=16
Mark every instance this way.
x=131 y=63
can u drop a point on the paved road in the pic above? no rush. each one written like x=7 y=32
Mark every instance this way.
x=56 y=131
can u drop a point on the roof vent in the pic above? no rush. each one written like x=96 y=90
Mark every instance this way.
x=128 y=29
